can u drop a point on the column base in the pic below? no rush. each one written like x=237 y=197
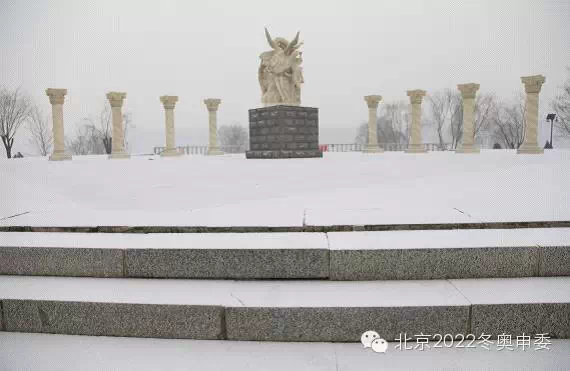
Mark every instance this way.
x=467 y=150
x=170 y=153
x=119 y=155
x=371 y=148
x=214 y=151
x=530 y=150
x=416 y=148
x=60 y=156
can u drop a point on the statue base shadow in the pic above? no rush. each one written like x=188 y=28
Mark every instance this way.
x=283 y=132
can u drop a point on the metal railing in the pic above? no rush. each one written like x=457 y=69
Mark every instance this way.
x=201 y=150
x=392 y=147
x=333 y=147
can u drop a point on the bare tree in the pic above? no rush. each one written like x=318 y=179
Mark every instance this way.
x=508 y=125
x=100 y=127
x=86 y=141
x=15 y=109
x=447 y=114
x=233 y=137
x=40 y=131
x=444 y=108
x=456 y=117
x=485 y=112
x=393 y=125
x=385 y=132
x=561 y=106
x=362 y=134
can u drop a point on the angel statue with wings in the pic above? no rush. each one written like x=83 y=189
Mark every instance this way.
x=280 y=72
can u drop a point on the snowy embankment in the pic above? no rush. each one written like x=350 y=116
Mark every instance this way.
x=341 y=188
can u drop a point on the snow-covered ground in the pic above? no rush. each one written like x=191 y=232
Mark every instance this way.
x=341 y=188
x=430 y=239
x=21 y=351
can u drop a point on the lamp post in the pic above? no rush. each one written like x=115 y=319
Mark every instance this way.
x=550 y=117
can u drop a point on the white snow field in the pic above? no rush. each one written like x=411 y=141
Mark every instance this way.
x=23 y=351
x=341 y=188
x=334 y=283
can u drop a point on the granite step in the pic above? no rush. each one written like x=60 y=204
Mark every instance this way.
x=442 y=254
x=178 y=255
x=386 y=255
x=289 y=311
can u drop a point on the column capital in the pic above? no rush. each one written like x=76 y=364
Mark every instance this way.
x=116 y=99
x=56 y=96
x=416 y=96
x=469 y=90
x=533 y=84
x=373 y=100
x=212 y=104
x=169 y=101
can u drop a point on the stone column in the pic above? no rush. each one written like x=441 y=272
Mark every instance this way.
x=532 y=86
x=118 y=137
x=169 y=102
x=212 y=105
x=372 y=145
x=468 y=92
x=56 y=98
x=416 y=145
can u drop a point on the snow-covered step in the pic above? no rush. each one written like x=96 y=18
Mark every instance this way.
x=441 y=254
x=182 y=255
x=115 y=307
x=283 y=310
x=387 y=255
x=90 y=353
x=518 y=305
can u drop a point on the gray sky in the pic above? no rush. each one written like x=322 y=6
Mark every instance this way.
x=200 y=49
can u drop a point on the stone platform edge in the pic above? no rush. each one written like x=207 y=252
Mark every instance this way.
x=214 y=322
x=285 y=229
x=283 y=154
x=327 y=262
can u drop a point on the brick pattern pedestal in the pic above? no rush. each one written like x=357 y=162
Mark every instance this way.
x=284 y=132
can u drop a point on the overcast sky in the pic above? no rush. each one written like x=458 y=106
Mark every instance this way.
x=200 y=49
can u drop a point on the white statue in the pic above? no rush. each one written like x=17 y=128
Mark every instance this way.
x=280 y=72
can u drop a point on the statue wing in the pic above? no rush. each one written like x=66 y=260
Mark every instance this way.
x=269 y=39
x=292 y=45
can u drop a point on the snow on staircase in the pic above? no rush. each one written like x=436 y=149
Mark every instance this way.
x=290 y=287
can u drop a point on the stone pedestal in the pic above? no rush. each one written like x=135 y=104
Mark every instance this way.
x=56 y=98
x=468 y=92
x=169 y=102
x=372 y=144
x=283 y=132
x=212 y=105
x=532 y=86
x=118 y=143
x=416 y=145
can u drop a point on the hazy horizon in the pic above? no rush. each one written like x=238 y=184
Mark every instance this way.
x=211 y=49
